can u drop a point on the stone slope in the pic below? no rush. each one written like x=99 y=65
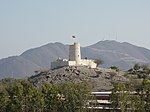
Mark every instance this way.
x=100 y=79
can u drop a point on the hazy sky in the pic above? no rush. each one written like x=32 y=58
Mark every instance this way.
x=27 y=24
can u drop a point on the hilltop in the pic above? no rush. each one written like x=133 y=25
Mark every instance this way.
x=100 y=79
x=123 y=55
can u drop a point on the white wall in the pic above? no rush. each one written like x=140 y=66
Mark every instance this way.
x=89 y=63
x=74 y=59
x=83 y=62
x=72 y=63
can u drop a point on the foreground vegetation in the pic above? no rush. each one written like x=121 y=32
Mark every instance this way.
x=22 y=96
x=133 y=96
x=129 y=98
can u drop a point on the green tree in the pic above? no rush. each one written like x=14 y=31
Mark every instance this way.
x=4 y=98
x=15 y=92
x=124 y=97
x=119 y=97
x=98 y=62
x=50 y=97
x=136 y=67
x=135 y=103
x=22 y=96
x=146 y=93
x=36 y=101
x=76 y=96
x=115 y=68
x=66 y=97
x=32 y=97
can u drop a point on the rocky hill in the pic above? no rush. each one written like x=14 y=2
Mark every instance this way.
x=100 y=79
x=122 y=55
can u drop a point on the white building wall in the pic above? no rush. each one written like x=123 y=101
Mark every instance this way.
x=83 y=62
x=74 y=59
x=90 y=63
x=71 y=63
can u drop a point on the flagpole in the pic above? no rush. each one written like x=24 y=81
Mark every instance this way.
x=74 y=38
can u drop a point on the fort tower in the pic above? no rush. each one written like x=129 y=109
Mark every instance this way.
x=74 y=59
x=75 y=53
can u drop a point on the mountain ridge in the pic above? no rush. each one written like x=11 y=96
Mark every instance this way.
x=121 y=54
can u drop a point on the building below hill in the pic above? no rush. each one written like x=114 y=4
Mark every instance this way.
x=74 y=59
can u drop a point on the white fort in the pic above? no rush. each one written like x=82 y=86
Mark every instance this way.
x=74 y=59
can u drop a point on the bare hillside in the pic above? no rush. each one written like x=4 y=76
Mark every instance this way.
x=100 y=79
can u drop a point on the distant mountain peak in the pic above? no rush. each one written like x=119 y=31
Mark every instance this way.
x=113 y=53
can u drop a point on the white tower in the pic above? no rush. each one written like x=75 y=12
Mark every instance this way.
x=75 y=53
